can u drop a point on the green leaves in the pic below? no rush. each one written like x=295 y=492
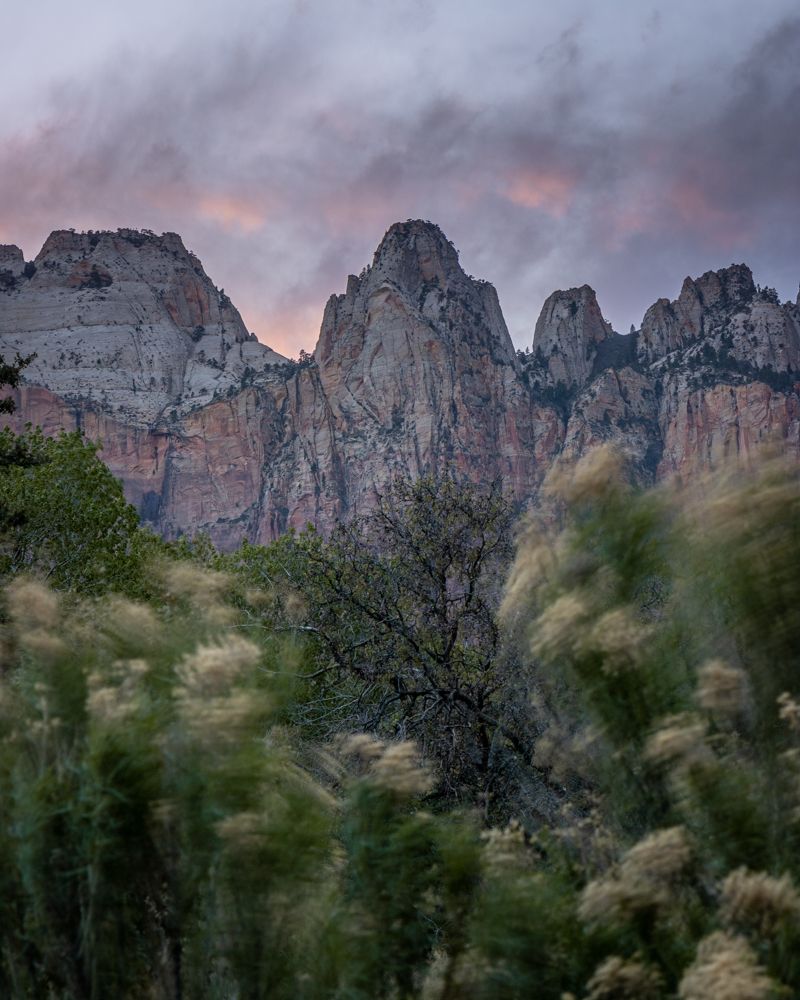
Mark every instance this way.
x=183 y=817
x=10 y=375
x=64 y=516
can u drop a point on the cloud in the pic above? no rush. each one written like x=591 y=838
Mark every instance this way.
x=282 y=149
x=531 y=188
x=232 y=213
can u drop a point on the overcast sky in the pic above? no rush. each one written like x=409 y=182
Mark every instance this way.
x=619 y=143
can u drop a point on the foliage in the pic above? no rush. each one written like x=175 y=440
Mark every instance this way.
x=163 y=836
x=10 y=375
x=666 y=631
x=401 y=603
x=186 y=816
x=149 y=832
x=65 y=516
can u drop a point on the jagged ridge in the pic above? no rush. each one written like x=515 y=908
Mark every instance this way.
x=414 y=369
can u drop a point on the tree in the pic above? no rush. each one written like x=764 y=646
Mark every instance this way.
x=166 y=834
x=65 y=516
x=10 y=375
x=401 y=603
x=14 y=450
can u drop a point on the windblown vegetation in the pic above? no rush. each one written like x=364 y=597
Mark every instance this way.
x=443 y=754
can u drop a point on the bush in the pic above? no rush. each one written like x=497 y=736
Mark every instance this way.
x=665 y=627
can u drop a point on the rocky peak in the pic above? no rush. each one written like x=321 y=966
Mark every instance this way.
x=727 y=290
x=414 y=363
x=129 y=321
x=730 y=288
x=568 y=333
x=95 y=260
x=415 y=283
x=734 y=319
x=415 y=253
x=12 y=267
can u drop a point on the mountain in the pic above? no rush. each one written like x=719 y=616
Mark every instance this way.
x=414 y=369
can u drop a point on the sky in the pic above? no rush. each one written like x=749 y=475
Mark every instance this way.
x=621 y=143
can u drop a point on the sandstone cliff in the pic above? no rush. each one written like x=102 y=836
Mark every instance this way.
x=126 y=322
x=568 y=335
x=414 y=369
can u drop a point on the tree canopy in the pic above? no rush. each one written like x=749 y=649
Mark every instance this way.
x=401 y=603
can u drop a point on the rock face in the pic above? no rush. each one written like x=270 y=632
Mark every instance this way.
x=568 y=335
x=414 y=370
x=126 y=322
x=724 y=313
x=417 y=367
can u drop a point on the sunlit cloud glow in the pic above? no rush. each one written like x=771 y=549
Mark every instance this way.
x=232 y=213
x=549 y=192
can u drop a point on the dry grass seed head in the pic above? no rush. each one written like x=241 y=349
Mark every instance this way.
x=114 y=697
x=789 y=711
x=758 y=901
x=558 y=630
x=294 y=605
x=132 y=622
x=243 y=830
x=205 y=589
x=32 y=605
x=44 y=645
x=214 y=666
x=187 y=580
x=741 y=505
x=620 y=638
x=725 y=968
x=624 y=979
x=592 y=477
x=221 y=719
x=679 y=740
x=533 y=566
x=616 y=900
x=109 y=704
x=364 y=748
x=642 y=881
x=721 y=689
x=661 y=856
x=505 y=848
x=260 y=597
x=400 y=770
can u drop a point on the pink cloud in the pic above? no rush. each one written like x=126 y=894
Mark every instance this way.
x=365 y=209
x=232 y=212
x=286 y=331
x=548 y=190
